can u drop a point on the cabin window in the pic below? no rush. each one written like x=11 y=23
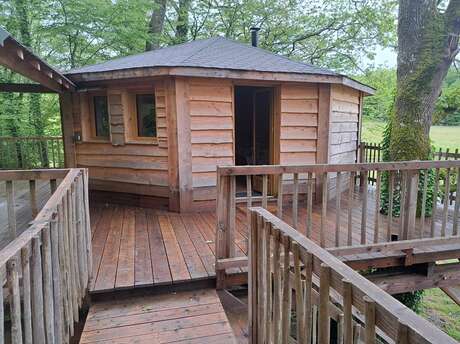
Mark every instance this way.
x=101 y=116
x=146 y=116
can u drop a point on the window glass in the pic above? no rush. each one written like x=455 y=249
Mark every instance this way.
x=146 y=118
x=101 y=116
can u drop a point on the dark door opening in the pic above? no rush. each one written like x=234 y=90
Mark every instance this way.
x=253 y=134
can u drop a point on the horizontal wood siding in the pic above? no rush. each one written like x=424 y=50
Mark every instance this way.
x=128 y=167
x=211 y=121
x=344 y=125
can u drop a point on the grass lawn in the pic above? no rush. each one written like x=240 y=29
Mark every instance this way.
x=442 y=136
x=439 y=309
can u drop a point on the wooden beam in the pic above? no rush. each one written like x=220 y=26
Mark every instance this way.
x=324 y=118
x=65 y=101
x=24 y=88
x=173 y=163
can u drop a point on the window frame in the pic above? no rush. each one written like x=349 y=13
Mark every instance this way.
x=131 y=119
x=92 y=117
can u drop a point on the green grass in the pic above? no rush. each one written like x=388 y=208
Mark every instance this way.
x=440 y=310
x=441 y=136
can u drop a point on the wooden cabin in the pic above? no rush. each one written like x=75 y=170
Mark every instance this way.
x=151 y=128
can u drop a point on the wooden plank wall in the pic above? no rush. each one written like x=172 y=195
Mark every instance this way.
x=212 y=133
x=121 y=166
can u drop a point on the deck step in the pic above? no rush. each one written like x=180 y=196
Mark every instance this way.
x=182 y=317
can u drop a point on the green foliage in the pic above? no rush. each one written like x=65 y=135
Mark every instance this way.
x=412 y=300
x=447 y=110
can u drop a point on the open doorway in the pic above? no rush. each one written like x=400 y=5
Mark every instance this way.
x=253 y=130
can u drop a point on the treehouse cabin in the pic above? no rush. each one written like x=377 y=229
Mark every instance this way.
x=152 y=127
x=149 y=130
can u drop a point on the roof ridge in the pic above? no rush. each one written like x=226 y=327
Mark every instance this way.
x=211 y=40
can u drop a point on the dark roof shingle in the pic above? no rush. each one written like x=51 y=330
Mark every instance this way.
x=217 y=52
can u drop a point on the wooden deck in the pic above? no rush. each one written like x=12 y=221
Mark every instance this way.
x=136 y=247
x=184 y=317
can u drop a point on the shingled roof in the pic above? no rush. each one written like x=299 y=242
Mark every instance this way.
x=216 y=52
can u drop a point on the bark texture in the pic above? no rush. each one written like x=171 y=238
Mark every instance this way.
x=427 y=45
x=156 y=24
x=182 y=21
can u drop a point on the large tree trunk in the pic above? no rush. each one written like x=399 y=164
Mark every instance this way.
x=156 y=25
x=182 y=21
x=427 y=45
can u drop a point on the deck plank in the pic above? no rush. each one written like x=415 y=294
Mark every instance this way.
x=184 y=317
x=143 y=274
x=125 y=268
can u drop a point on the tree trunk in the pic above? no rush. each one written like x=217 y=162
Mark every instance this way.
x=156 y=25
x=427 y=46
x=182 y=21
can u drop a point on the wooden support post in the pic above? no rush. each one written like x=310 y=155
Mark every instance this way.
x=15 y=301
x=324 y=117
x=10 y=209
x=410 y=204
x=252 y=276
x=65 y=101
x=324 y=321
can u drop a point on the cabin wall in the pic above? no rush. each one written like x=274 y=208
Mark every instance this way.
x=118 y=165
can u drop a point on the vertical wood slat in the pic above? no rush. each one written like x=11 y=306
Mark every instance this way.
x=410 y=205
x=351 y=187
x=307 y=259
x=58 y=301
x=10 y=208
x=322 y=232
x=89 y=252
x=338 y=197
x=265 y=191
x=37 y=293
x=268 y=281
x=402 y=205
x=446 y=203
x=261 y=293
x=68 y=264
x=295 y=202
x=457 y=205
x=377 y=207
x=424 y=197
x=252 y=280
x=2 y=309
x=298 y=295
x=279 y=205
x=286 y=291
x=33 y=197
x=391 y=185
x=323 y=317
x=347 y=310
x=369 y=314
x=26 y=290
x=63 y=268
x=277 y=308
x=48 y=301
x=435 y=202
x=14 y=300
x=364 y=211
x=249 y=199
x=309 y=204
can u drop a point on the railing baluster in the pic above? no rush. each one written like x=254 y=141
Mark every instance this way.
x=280 y=197
x=33 y=197
x=37 y=293
x=309 y=204
x=268 y=281
x=249 y=199
x=14 y=300
x=377 y=207
x=253 y=279
x=265 y=191
x=347 y=310
x=58 y=304
x=53 y=185
x=424 y=197
x=307 y=259
x=435 y=202
x=2 y=308
x=25 y=263
x=286 y=308
x=262 y=293
x=10 y=208
x=48 y=285
x=391 y=186
x=68 y=268
x=322 y=232
x=364 y=211
x=410 y=205
x=369 y=313
x=402 y=205
x=324 y=322
x=351 y=190
x=295 y=202
x=338 y=198
x=457 y=205
x=277 y=287
x=298 y=295
x=446 y=203
x=402 y=334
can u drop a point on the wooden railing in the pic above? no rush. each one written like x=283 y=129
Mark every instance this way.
x=291 y=275
x=46 y=269
x=31 y=152
x=334 y=214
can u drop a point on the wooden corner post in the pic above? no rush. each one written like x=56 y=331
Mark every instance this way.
x=66 y=104
x=324 y=118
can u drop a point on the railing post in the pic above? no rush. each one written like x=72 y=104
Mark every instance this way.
x=252 y=280
x=225 y=223
x=10 y=208
x=410 y=204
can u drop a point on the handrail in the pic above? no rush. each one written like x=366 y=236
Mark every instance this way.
x=282 y=260
x=322 y=185
x=53 y=256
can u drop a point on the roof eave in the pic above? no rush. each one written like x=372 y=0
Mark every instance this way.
x=146 y=72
